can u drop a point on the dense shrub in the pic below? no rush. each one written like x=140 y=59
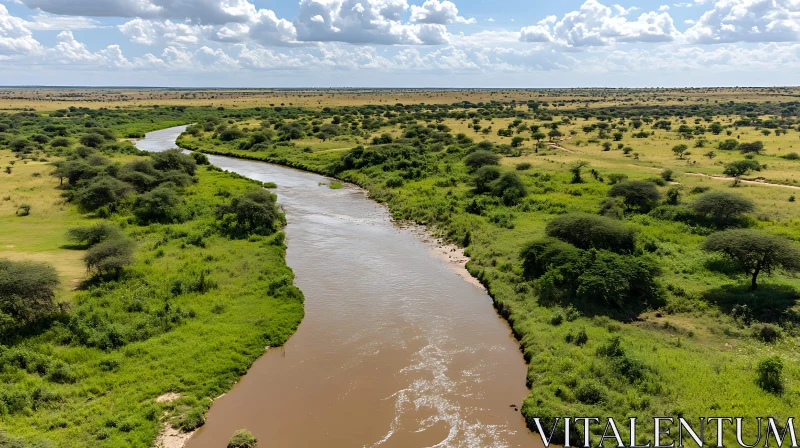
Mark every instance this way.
x=722 y=206
x=541 y=255
x=255 y=212
x=92 y=140
x=741 y=167
x=586 y=231
x=174 y=159
x=162 y=204
x=754 y=147
x=770 y=375
x=242 y=439
x=729 y=144
x=510 y=188
x=200 y=158
x=638 y=195
x=95 y=234
x=484 y=177
x=27 y=293
x=481 y=158
x=591 y=393
x=109 y=256
x=231 y=134
x=103 y=191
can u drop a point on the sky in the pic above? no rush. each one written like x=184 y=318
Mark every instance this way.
x=400 y=43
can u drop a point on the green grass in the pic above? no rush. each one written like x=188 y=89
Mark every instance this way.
x=209 y=341
x=699 y=360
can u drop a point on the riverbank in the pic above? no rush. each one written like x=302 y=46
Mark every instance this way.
x=692 y=355
x=184 y=320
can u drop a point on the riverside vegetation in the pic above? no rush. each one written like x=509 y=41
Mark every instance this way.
x=134 y=287
x=636 y=250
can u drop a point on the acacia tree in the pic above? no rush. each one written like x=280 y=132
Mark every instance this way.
x=755 y=252
x=680 y=150
x=576 y=169
x=722 y=206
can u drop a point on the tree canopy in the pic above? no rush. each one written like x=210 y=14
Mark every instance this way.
x=638 y=195
x=755 y=252
x=27 y=293
x=722 y=206
x=586 y=231
x=480 y=158
x=255 y=212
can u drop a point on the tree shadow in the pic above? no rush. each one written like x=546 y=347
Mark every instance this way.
x=723 y=266
x=74 y=246
x=768 y=303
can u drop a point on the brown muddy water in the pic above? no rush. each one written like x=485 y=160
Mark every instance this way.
x=396 y=350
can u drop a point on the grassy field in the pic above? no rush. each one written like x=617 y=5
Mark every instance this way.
x=52 y=98
x=697 y=357
x=93 y=375
x=693 y=353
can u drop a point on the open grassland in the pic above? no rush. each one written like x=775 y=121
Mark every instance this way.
x=42 y=235
x=151 y=343
x=691 y=353
x=53 y=98
x=692 y=346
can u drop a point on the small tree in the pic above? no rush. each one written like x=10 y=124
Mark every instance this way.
x=722 y=206
x=95 y=234
x=638 y=195
x=102 y=191
x=710 y=155
x=741 y=167
x=538 y=256
x=680 y=150
x=576 y=169
x=162 y=205
x=481 y=158
x=667 y=174
x=255 y=212
x=510 y=188
x=729 y=144
x=483 y=178
x=754 y=147
x=110 y=256
x=27 y=293
x=770 y=375
x=92 y=140
x=174 y=159
x=755 y=252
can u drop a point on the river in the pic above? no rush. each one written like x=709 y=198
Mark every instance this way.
x=396 y=349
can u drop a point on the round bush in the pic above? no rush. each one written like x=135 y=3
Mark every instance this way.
x=722 y=206
x=638 y=195
x=590 y=393
x=242 y=438
x=481 y=158
x=587 y=231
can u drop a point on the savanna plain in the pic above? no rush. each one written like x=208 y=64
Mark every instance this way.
x=643 y=244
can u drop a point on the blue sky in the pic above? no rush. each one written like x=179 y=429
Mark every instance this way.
x=399 y=43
